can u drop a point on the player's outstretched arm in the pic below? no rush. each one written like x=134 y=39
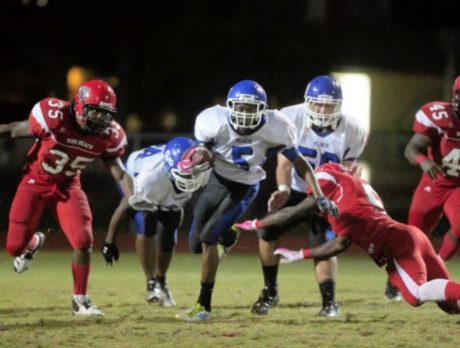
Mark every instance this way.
x=109 y=249
x=281 y=216
x=321 y=252
x=18 y=129
x=323 y=203
x=305 y=170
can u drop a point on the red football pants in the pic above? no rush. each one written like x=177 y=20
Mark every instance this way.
x=430 y=201
x=413 y=262
x=69 y=206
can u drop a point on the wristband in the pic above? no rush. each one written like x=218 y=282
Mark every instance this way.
x=420 y=158
x=284 y=188
x=306 y=253
x=258 y=224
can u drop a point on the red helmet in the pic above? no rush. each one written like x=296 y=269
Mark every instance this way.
x=456 y=94
x=95 y=106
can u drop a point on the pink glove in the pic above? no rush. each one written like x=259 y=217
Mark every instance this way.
x=248 y=225
x=289 y=256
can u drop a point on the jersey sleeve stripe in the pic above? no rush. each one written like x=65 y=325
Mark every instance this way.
x=325 y=176
x=37 y=114
x=425 y=121
x=291 y=153
x=330 y=179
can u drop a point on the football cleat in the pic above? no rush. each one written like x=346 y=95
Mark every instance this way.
x=81 y=305
x=22 y=263
x=232 y=238
x=330 y=310
x=195 y=315
x=150 y=295
x=162 y=294
x=267 y=299
x=392 y=293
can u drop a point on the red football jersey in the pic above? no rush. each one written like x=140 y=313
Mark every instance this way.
x=362 y=216
x=61 y=151
x=438 y=121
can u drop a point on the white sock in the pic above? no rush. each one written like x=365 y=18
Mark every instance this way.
x=33 y=243
x=80 y=298
x=434 y=290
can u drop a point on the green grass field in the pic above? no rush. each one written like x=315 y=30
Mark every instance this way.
x=35 y=308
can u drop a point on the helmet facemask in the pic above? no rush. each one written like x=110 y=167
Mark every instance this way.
x=186 y=181
x=246 y=112
x=323 y=111
x=96 y=119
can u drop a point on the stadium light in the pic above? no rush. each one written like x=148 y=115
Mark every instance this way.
x=356 y=88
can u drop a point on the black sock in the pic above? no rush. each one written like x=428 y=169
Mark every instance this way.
x=270 y=277
x=327 y=289
x=161 y=280
x=205 y=295
x=151 y=280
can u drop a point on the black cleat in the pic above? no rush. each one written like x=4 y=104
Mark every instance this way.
x=266 y=300
x=392 y=293
x=329 y=310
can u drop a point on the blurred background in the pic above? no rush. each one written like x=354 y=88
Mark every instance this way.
x=169 y=59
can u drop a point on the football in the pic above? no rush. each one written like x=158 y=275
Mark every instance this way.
x=198 y=159
x=203 y=155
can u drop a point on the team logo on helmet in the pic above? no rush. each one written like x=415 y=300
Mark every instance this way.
x=84 y=92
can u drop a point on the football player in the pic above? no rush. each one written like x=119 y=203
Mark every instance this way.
x=411 y=262
x=435 y=148
x=165 y=178
x=240 y=136
x=69 y=136
x=323 y=135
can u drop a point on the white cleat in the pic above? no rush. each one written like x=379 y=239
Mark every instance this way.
x=22 y=263
x=195 y=315
x=81 y=305
x=163 y=296
x=150 y=295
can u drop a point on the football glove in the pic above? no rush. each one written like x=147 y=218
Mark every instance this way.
x=325 y=204
x=110 y=253
x=289 y=256
x=248 y=225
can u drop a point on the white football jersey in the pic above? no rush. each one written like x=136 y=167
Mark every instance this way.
x=239 y=158
x=345 y=143
x=153 y=189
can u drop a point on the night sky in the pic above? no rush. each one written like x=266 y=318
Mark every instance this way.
x=182 y=55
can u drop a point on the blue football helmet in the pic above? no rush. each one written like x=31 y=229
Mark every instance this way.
x=174 y=152
x=247 y=101
x=323 y=102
